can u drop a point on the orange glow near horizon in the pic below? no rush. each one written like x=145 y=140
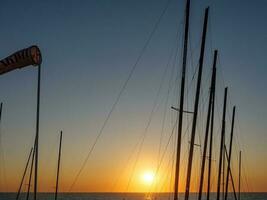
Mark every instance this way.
x=118 y=179
x=142 y=181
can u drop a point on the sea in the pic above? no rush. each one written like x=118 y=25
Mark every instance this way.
x=126 y=196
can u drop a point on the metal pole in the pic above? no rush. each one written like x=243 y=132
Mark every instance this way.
x=239 y=176
x=58 y=164
x=37 y=134
x=231 y=175
x=30 y=177
x=191 y=151
x=1 y=107
x=230 y=153
x=212 y=87
x=223 y=168
x=24 y=173
x=211 y=127
x=222 y=143
x=181 y=107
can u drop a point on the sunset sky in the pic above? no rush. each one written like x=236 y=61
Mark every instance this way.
x=88 y=50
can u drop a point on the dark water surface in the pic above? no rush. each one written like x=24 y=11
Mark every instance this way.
x=125 y=196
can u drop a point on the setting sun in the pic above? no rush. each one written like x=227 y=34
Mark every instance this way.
x=148 y=177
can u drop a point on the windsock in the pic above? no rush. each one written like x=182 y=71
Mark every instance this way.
x=20 y=59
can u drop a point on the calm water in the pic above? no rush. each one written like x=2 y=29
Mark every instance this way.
x=121 y=196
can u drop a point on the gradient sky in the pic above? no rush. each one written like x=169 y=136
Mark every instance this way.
x=88 y=49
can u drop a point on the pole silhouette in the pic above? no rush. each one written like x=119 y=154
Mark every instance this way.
x=239 y=176
x=30 y=177
x=58 y=164
x=231 y=175
x=230 y=154
x=181 y=107
x=222 y=144
x=212 y=88
x=37 y=134
x=24 y=173
x=193 y=133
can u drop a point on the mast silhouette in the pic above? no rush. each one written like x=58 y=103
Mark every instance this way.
x=222 y=144
x=223 y=168
x=239 y=175
x=231 y=175
x=230 y=154
x=211 y=127
x=58 y=164
x=1 y=107
x=30 y=177
x=212 y=90
x=211 y=141
x=24 y=173
x=37 y=134
x=192 y=141
x=181 y=107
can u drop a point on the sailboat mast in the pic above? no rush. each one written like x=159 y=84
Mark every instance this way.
x=210 y=146
x=211 y=125
x=230 y=153
x=231 y=175
x=212 y=88
x=181 y=107
x=37 y=134
x=30 y=177
x=239 y=175
x=223 y=168
x=193 y=133
x=1 y=106
x=24 y=173
x=58 y=164
x=222 y=144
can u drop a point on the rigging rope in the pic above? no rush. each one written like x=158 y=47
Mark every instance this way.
x=149 y=120
x=120 y=93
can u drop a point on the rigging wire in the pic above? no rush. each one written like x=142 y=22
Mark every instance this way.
x=154 y=108
x=178 y=38
x=120 y=93
x=188 y=125
x=230 y=103
x=166 y=104
x=245 y=175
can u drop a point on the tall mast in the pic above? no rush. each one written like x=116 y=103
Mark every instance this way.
x=58 y=164
x=30 y=177
x=181 y=107
x=212 y=88
x=223 y=168
x=239 y=176
x=37 y=134
x=211 y=139
x=1 y=106
x=230 y=172
x=230 y=153
x=222 y=144
x=193 y=133
x=24 y=173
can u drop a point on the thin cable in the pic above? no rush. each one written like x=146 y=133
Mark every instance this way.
x=120 y=93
